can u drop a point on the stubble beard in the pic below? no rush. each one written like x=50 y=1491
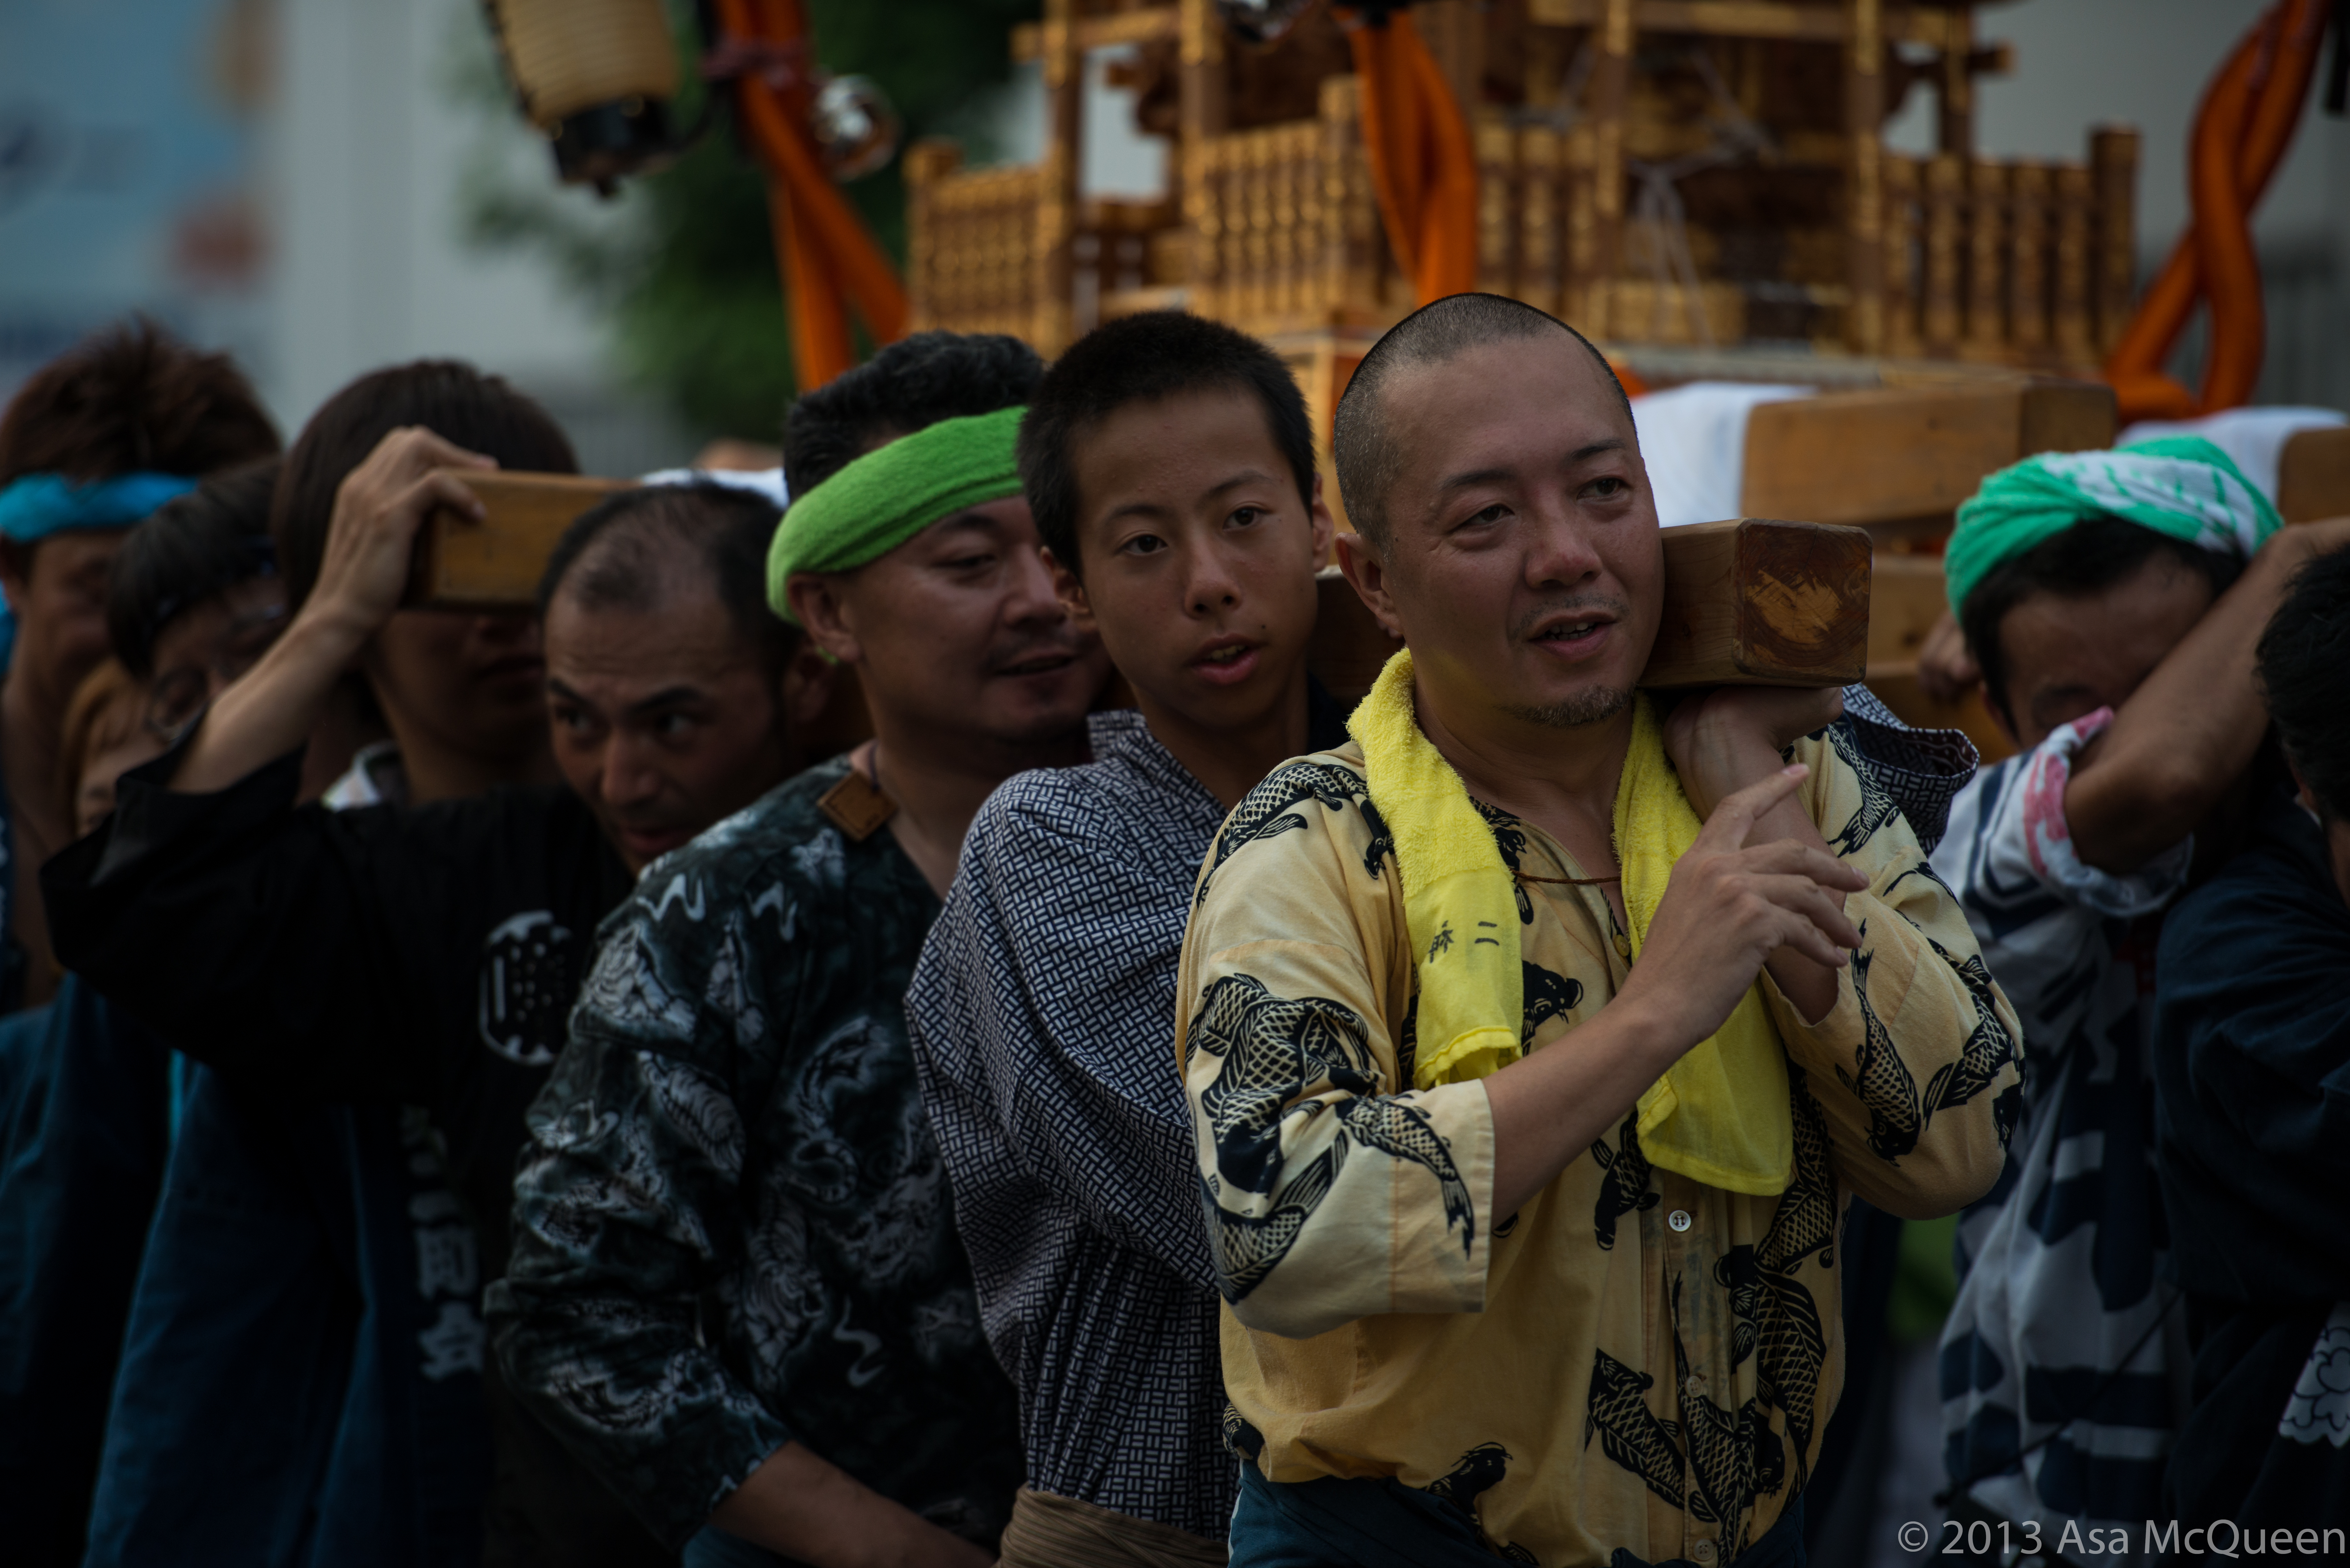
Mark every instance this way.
x=1596 y=706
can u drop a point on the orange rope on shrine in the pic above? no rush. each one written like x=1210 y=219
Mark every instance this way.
x=1423 y=165
x=2246 y=121
x=830 y=262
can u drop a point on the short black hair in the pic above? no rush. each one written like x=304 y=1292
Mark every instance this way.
x=195 y=548
x=448 y=396
x=131 y=397
x=2086 y=559
x=612 y=554
x=2303 y=656
x=1147 y=358
x=912 y=384
x=1365 y=452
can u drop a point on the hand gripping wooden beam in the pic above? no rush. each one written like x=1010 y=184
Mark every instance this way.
x=1748 y=602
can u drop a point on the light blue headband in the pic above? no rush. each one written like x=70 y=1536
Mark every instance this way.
x=40 y=505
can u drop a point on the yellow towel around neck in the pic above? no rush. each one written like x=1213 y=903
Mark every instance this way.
x=1459 y=902
x=1720 y=1115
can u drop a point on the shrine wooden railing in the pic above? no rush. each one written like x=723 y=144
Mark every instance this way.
x=2009 y=262
x=2014 y=261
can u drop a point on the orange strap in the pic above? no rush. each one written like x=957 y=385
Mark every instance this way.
x=1423 y=165
x=2241 y=131
x=830 y=263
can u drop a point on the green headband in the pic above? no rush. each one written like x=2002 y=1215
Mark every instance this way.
x=2182 y=486
x=892 y=494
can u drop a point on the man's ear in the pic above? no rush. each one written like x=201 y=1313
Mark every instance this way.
x=1070 y=590
x=823 y=611
x=809 y=681
x=1319 y=510
x=1358 y=559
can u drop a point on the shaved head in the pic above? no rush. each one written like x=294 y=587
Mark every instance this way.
x=1369 y=456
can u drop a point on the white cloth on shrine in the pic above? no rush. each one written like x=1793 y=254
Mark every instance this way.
x=1693 y=438
x=2253 y=438
x=766 y=482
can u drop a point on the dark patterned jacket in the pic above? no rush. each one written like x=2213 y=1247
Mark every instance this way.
x=1634 y=1366
x=732 y=1228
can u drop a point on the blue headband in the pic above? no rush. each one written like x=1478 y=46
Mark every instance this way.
x=40 y=505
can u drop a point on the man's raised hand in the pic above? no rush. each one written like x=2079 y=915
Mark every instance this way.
x=1731 y=905
x=379 y=507
x=380 y=504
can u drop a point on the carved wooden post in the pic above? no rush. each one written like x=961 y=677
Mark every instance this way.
x=1201 y=117
x=2027 y=291
x=1497 y=203
x=1301 y=219
x=1956 y=85
x=1205 y=283
x=1901 y=230
x=1864 y=116
x=1987 y=184
x=1539 y=230
x=2113 y=165
x=1580 y=287
x=928 y=245
x=1256 y=263
x=1611 y=90
x=1350 y=220
x=1945 y=186
x=2076 y=341
x=1057 y=205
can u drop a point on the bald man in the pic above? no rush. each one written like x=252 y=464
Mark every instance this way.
x=1522 y=1161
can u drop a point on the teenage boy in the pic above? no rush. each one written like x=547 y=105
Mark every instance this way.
x=737 y=1290
x=92 y=443
x=2114 y=600
x=1533 y=1044
x=422 y=956
x=2253 y=1065
x=1170 y=462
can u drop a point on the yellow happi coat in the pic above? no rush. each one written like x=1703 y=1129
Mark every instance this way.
x=1633 y=1360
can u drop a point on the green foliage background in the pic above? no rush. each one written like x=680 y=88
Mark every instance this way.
x=685 y=270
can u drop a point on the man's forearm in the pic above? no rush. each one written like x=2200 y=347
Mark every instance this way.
x=272 y=711
x=813 y=1512
x=2188 y=731
x=1552 y=1105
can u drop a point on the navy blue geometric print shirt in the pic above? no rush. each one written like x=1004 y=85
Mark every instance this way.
x=1042 y=1014
x=732 y=1228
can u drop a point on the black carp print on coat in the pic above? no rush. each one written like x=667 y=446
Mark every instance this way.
x=1881 y=1078
x=1269 y=811
x=1548 y=994
x=1706 y=1458
x=1509 y=838
x=1877 y=805
x=1274 y=1050
x=1625 y=1189
x=1481 y=1469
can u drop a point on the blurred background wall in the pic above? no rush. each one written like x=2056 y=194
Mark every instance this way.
x=324 y=186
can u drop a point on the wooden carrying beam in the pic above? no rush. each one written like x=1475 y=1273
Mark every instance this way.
x=2314 y=475
x=496 y=563
x=1904 y=454
x=1747 y=603
x=1751 y=602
